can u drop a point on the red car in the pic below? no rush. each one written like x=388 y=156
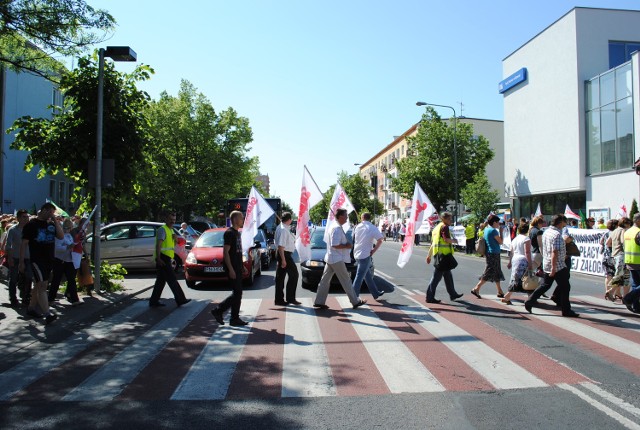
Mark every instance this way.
x=205 y=261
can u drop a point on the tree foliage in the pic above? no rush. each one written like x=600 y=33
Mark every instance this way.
x=33 y=32
x=67 y=141
x=431 y=162
x=198 y=158
x=479 y=196
x=358 y=190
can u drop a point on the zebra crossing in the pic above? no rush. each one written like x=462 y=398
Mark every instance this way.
x=182 y=354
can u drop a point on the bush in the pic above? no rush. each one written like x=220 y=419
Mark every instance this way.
x=111 y=276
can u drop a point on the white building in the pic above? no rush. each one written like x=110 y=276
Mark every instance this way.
x=570 y=110
x=23 y=94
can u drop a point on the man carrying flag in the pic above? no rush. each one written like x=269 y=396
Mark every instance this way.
x=339 y=200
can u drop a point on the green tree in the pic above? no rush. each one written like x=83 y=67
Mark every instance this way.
x=68 y=140
x=32 y=32
x=358 y=190
x=479 y=196
x=432 y=161
x=634 y=209
x=198 y=159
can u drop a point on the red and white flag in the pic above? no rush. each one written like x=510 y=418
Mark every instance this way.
x=622 y=212
x=570 y=214
x=258 y=211
x=340 y=200
x=310 y=195
x=421 y=210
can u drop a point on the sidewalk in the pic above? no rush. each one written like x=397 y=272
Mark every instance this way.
x=19 y=332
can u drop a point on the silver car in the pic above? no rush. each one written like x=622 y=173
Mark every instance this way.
x=129 y=243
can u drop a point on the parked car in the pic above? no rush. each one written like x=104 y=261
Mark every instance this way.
x=263 y=251
x=131 y=244
x=190 y=235
x=205 y=261
x=202 y=226
x=312 y=269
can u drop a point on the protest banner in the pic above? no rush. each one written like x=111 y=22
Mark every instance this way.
x=590 y=260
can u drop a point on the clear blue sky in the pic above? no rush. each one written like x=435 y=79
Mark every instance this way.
x=329 y=83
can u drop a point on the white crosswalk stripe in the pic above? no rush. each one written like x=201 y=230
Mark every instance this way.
x=501 y=372
x=399 y=367
x=579 y=328
x=109 y=381
x=211 y=374
x=35 y=367
x=306 y=371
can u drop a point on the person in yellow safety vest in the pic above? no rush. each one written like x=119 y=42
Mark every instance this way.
x=441 y=243
x=164 y=253
x=632 y=260
x=470 y=235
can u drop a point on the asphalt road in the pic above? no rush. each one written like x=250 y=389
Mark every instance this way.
x=613 y=403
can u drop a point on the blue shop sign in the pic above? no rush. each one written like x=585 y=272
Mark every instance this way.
x=513 y=80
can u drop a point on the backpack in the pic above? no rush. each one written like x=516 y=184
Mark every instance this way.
x=481 y=246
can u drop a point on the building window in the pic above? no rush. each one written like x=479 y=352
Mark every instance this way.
x=609 y=121
x=620 y=52
x=551 y=204
x=52 y=189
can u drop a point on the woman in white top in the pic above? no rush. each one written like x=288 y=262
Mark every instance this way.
x=63 y=265
x=519 y=260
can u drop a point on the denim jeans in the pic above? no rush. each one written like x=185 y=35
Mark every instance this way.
x=363 y=273
x=633 y=296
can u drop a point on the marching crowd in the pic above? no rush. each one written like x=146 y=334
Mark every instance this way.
x=36 y=252
x=39 y=250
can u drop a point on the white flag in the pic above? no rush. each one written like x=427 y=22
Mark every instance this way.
x=622 y=212
x=310 y=195
x=258 y=211
x=340 y=200
x=538 y=211
x=421 y=210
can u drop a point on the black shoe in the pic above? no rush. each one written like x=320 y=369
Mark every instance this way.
x=15 y=303
x=184 y=302
x=475 y=293
x=321 y=306
x=528 y=306
x=436 y=301
x=294 y=302
x=360 y=303
x=456 y=297
x=500 y=295
x=544 y=296
x=280 y=303
x=156 y=304
x=217 y=314
x=571 y=314
x=34 y=314
x=555 y=300
x=237 y=322
x=50 y=318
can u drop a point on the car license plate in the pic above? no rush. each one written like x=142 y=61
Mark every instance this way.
x=214 y=269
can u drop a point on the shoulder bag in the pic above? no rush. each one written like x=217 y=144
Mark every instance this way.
x=444 y=262
x=572 y=249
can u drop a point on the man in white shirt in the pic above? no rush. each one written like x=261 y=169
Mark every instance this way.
x=338 y=253
x=285 y=241
x=364 y=235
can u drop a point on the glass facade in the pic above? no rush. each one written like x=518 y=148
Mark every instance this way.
x=609 y=121
x=551 y=204
x=620 y=52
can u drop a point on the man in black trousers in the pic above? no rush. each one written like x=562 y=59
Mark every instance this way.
x=285 y=241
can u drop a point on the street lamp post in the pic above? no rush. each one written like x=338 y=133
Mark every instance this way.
x=116 y=53
x=455 y=154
